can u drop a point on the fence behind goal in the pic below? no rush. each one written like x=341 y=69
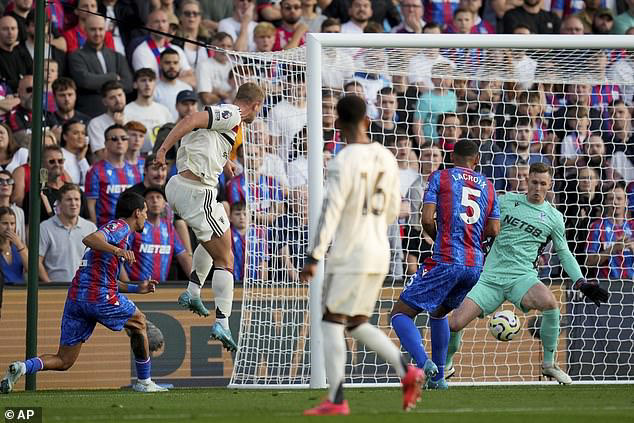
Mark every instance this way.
x=568 y=107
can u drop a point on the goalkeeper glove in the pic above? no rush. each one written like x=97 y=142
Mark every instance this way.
x=487 y=243
x=592 y=290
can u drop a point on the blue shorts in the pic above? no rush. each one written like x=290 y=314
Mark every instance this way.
x=444 y=284
x=80 y=318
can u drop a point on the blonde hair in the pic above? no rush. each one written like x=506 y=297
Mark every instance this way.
x=250 y=92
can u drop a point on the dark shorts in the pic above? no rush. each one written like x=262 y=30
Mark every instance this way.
x=80 y=318
x=436 y=284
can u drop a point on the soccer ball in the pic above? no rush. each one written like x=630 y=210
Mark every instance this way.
x=504 y=325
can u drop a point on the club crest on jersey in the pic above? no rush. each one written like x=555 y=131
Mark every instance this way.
x=112 y=226
x=542 y=216
x=226 y=114
x=517 y=203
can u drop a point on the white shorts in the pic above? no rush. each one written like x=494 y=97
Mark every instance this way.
x=196 y=203
x=351 y=294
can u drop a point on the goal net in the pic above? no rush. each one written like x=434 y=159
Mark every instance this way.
x=566 y=107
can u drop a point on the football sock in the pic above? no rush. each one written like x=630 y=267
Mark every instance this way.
x=33 y=365
x=549 y=334
x=409 y=335
x=335 y=357
x=143 y=367
x=222 y=285
x=439 y=342
x=376 y=340
x=455 y=338
x=201 y=265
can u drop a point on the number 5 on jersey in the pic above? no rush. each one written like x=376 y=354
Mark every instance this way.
x=466 y=201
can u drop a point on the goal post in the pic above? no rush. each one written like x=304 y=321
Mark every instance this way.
x=280 y=342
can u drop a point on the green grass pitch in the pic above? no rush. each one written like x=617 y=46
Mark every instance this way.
x=504 y=404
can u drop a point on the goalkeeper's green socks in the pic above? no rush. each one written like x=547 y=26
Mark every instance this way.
x=455 y=338
x=549 y=333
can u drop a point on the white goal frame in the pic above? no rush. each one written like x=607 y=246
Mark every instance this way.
x=316 y=41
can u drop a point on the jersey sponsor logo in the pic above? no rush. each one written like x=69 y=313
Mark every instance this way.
x=519 y=223
x=468 y=177
x=155 y=249
x=226 y=114
x=117 y=188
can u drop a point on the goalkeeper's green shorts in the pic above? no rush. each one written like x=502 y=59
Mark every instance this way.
x=492 y=290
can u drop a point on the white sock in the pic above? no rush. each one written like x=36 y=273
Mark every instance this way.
x=335 y=357
x=377 y=340
x=222 y=285
x=145 y=381
x=201 y=265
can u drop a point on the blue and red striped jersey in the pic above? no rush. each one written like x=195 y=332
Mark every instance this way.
x=260 y=196
x=603 y=234
x=105 y=183
x=154 y=249
x=440 y=11
x=465 y=200
x=96 y=279
x=257 y=251
x=570 y=7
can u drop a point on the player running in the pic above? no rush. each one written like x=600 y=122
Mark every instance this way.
x=467 y=212
x=363 y=197
x=207 y=138
x=94 y=297
x=528 y=222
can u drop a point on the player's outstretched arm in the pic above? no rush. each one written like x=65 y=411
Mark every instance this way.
x=144 y=287
x=196 y=120
x=593 y=291
x=97 y=241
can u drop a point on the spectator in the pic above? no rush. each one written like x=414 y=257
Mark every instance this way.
x=108 y=8
x=186 y=104
x=623 y=161
x=19 y=12
x=61 y=248
x=191 y=29
x=413 y=23
x=576 y=95
x=516 y=178
x=65 y=93
x=480 y=26
x=360 y=12
x=272 y=164
x=109 y=177
x=333 y=77
x=132 y=15
x=148 y=53
x=589 y=12
x=292 y=32
x=144 y=109
x=565 y=8
x=288 y=116
x=74 y=143
x=77 y=36
x=169 y=84
x=136 y=135
x=625 y=20
x=522 y=65
x=311 y=15
x=240 y=25
x=572 y=25
x=531 y=14
x=481 y=129
x=332 y=136
x=20 y=117
x=577 y=134
x=6 y=191
x=289 y=239
x=15 y=60
x=11 y=155
x=620 y=124
x=54 y=48
x=214 y=11
x=419 y=71
x=94 y=65
x=440 y=12
x=256 y=268
x=463 y=21
x=381 y=11
x=610 y=246
x=159 y=242
x=602 y=23
x=383 y=130
x=598 y=160
x=14 y=255
x=53 y=163
x=212 y=74
x=52 y=71
x=449 y=129
x=113 y=98
x=440 y=99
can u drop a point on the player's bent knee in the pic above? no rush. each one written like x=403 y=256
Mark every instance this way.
x=401 y=308
x=334 y=318
x=353 y=322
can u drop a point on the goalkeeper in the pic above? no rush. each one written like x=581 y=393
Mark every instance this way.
x=528 y=223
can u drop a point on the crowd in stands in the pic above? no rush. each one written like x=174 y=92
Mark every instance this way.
x=113 y=91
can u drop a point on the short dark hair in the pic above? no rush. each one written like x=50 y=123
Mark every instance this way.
x=168 y=51
x=466 y=148
x=112 y=128
x=110 y=86
x=149 y=161
x=219 y=36
x=431 y=25
x=329 y=22
x=541 y=167
x=128 y=202
x=144 y=72
x=67 y=187
x=351 y=110
x=63 y=83
x=238 y=206
x=53 y=147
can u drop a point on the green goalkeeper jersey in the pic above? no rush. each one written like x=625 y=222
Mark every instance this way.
x=525 y=229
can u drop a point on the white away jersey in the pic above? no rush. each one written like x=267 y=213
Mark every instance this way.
x=363 y=198
x=205 y=151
